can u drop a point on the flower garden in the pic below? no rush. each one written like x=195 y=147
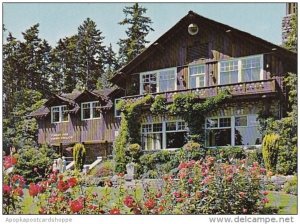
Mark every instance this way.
x=208 y=185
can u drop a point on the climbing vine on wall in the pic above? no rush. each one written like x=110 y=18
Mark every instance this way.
x=187 y=106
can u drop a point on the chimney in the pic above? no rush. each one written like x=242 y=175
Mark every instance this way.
x=291 y=9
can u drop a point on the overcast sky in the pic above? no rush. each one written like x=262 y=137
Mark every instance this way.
x=58 y=20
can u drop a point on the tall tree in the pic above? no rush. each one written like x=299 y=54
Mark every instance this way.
x=139 y=28
x=11 y=69
x=91 y=53
x=111 y=65
x=64 y=65
x=34 y=59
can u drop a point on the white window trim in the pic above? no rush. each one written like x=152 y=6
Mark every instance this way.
x=261 y=74
x=115 y=112
x=60 y=114
x=91 y=111
x=232 y=126
x=189 y=75
x=157 y=78
x=164 y=132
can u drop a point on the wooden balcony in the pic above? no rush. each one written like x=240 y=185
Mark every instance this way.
x=255 y=88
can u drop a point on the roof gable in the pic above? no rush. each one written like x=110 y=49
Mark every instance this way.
x=180 y=29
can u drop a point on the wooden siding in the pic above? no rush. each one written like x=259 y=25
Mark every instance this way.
x=77 y=130
x=221 y=45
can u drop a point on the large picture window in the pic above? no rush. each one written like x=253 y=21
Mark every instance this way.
x=59 y=114
x=197 y=76
x=245 y=69
x=158 y=81
x=164 y=135
x=234 y=130
x=90 y=110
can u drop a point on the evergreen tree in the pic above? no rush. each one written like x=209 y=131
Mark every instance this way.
x=139 y=28
x=64 y=65
x=34 y=59
x=111 y=66
x=91 y=53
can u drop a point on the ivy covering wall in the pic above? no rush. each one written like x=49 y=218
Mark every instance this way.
x=188 y=106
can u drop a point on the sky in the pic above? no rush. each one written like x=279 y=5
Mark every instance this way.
x=58 y=20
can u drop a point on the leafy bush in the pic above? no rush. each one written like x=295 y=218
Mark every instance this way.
x=291 y=186
x=255 y=156
x=104 y=169
x=79 y=154
x=34 y=164
x=270 y=151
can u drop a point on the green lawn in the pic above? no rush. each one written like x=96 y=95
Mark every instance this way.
x=286 y=203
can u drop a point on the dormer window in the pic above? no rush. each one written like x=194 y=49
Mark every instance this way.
x=59 y=114
x=90 y=110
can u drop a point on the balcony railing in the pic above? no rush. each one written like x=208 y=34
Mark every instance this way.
x=237 y=89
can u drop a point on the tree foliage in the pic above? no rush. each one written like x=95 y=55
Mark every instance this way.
x=139 y=27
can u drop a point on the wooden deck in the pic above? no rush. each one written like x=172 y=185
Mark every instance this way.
x=239 y=89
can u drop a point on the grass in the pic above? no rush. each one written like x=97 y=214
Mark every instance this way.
x=285 y=203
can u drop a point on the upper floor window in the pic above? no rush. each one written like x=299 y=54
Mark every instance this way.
x=59 y=114
x=197 y=76
x=241 y=70
x=158 y=81
x=90 y=110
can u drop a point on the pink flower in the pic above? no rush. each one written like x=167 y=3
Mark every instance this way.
x=265 y=200
x=182 y=165
x=190 y=181
x=6 y=189
x=9 y=161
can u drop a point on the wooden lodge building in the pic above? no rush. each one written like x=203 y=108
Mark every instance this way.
x=196 y=55
x=79 y=117
x=204 y=56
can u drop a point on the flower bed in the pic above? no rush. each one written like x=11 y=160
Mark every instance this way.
x=200 y=187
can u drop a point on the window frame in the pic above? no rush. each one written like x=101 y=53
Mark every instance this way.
x=195 y=75
x=60 y=116
x=163 y=132
x=240 y=78
x=90 y=103
x=232 y=126
x=157 y=74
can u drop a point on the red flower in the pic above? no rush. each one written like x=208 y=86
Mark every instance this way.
x=18 y=191
x=6 y=189
x=18 y=180
x=190 y=181
x=42 y=211
x=191 y=163
x=115 y=211
x=43 y=186
x=62 y=186
x=179 y=200
x=52 y=178
x=72 y=182
x=76 y=205
x=9 y=161
x=34 y=189
x=128 y=201
x=60 y=177
x=150 y=204
x=182 y=165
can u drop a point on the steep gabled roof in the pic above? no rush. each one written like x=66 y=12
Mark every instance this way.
x=184 y=22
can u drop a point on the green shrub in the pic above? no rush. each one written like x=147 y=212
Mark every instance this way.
x=270 y=151
x=134 y=152
x=291 y=186
x=254 y=156
x=34 y=164
x=79 y=155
